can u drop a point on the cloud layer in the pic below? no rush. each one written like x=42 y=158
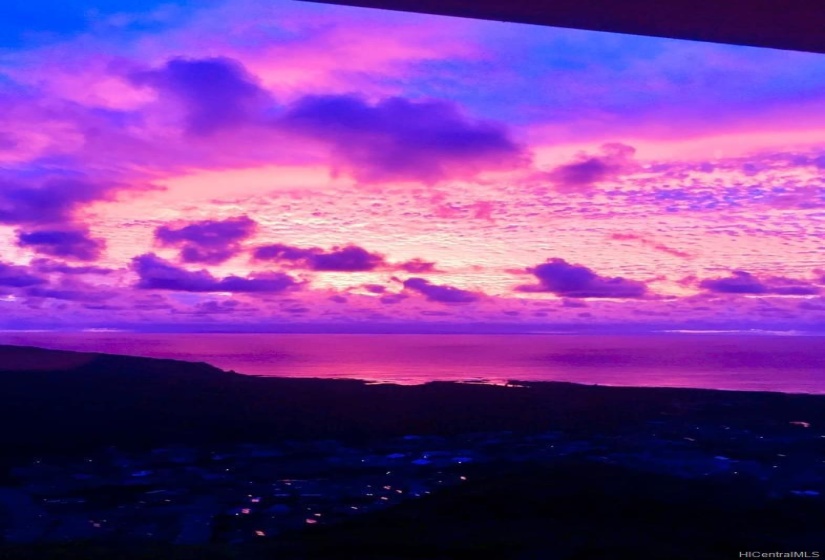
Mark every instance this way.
x=576 y=281
x=155 y=273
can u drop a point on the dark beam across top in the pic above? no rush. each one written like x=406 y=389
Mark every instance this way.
x=781 y=24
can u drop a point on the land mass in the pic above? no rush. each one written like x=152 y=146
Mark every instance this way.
x=529 y=470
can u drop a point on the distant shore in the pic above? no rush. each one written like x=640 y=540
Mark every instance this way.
x=60 y=401
x=738 y=362
x=171 y=452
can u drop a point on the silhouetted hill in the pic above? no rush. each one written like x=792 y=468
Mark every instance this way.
x=87 y=400
x=572 y=511
x=573 y=507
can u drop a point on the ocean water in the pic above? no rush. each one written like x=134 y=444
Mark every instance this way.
x=735 y=362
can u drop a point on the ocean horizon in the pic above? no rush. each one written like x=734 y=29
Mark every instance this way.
x=724 y=361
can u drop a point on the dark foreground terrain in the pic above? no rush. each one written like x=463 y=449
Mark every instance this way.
x=118 y=457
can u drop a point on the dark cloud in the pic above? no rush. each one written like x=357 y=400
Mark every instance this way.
x=440 y=293
x=15 y=276
x=398 y=139
x=157 y=274
x=375 y=288
x=350 y=258
x=296 y=310
x=64 y=243
x=47 y=202
x=742 y=282
x=587 y=170
x=209 y=233
x=82 y=294
x=417 y=266
x=391 y=299
x=347 y=259
x=208 y=241
x=576 y=281
x=216 y=307
x=217 y=93
x=344 y=259
x=47 y=266
x=812 y=305
x=278 y=252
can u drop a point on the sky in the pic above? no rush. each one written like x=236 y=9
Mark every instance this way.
x=261 y=165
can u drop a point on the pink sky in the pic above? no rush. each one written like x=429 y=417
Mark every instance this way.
x=251 y=164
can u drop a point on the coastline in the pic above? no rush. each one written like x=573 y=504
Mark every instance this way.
x=103 y=399
x=209 y=460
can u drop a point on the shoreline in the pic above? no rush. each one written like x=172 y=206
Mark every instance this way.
x=580 y=369
x=87 y=399
x=184 y=460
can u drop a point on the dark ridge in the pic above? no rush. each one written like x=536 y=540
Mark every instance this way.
x=93 y=401
x=572 y=510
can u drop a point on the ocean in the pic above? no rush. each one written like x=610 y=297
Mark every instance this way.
x=794 y=364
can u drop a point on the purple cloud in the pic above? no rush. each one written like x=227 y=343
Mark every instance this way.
x=208 y=241
x=350 y=258
x=65 y=243
x=583 y=173
x=344 y=259
x=217 y=93
x=157 y=274
x=398 y=139
x=15 y=276
x=391 y=299
x=417 y=266
x=47 y=266
x=440 y=293
x=742 y=282
x=576 y=281
x=216 y=307
x=278 y=251
x=82 y=294
x=51 y=201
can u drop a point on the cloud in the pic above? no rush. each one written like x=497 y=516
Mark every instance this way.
x=217 y=93
x=350 y=258
x=216 y=307
x=650 y=243
x=742 y=282
x=15 y=276
x=417 y=266
x=398 y=139
x=576 y=281
x=82 y=293
x=587 y=170
x=391 y=299
x=50 y=201
x=157 y=274
x=47 y=266
x=347 y=259
x=65 y=243
x=208 y=241
x=375 y=288
x=440 y=293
